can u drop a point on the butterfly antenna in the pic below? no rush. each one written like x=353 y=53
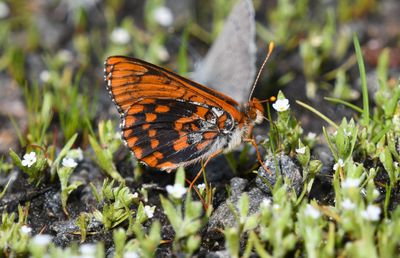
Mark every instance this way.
x=270 y=49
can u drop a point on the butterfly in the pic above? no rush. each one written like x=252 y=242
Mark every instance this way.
x=170 y=121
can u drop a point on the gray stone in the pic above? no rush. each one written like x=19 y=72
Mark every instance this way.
x=223 y=217
x=287 y=168
x=218 y=254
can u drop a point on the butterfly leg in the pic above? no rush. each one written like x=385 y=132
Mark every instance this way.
x=203 y=167
x=254 y=143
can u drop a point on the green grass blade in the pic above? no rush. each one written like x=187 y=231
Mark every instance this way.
x=182 y=55
x=325 y=118
x=62 y=154
x=347 y=104
x=330 y=143
x=364 y=87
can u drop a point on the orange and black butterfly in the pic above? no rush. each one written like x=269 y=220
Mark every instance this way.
x=170 y=121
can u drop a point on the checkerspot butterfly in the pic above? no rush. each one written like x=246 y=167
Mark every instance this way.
x=170 y=121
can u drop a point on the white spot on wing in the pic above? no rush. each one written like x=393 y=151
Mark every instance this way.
x=195 y=137
x=218 y=112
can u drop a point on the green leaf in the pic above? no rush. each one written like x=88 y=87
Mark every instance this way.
x=16 y=159
x=119 y=237
x=182 y=54
x=2 y=193
x=150 y=243
x=251 y=222
x=243 y=206
x=62 y=154
x=180 y=176
x=104 y=160
x=192 y=244
x=382 y=67
x=140 y=214
x=174 y=216
x=192 y=208
x=363 y=76
x=232 y=241
x=386 y=159
x=316 y=112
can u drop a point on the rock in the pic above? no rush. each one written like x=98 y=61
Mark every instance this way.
x=288 y=169
x=218 y=254
x=223 y=217
x=64 y=230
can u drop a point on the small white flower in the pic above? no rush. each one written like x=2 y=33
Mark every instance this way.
x=120 y=36
x=135 y=195
x=65 y=55
x=144 y=193
x=266 y=203
x=347 y=133
x=42 y=240
x=351 y=183
x=76 y=154
x=25 y=230
x=316 y=40
x=79 y=154
x=312 y=212
x=162 y=53
x=311 y=135
x=276 y=206
x=29 y=159
x=347 y=204
x=372 y=213
x=176 y=190
x=340 y=163
x=201 y=187
x=4 y=10
x=149 y=210
x=375 y=193
x=163 y=16
x=45 y=76
x=301 y=150
x=69 y=162
x=396 y=121
x=88 y=250
x=117 y=136
x=281 y=105
x=74 y=6
x=131 y=254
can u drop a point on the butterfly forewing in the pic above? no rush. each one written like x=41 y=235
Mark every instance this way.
x=129 y=77
x=168 y=120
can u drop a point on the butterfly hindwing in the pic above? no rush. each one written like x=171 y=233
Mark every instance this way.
x=183 y=134
x=236 y=47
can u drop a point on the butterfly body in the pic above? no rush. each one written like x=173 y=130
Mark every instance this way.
x=170 y=121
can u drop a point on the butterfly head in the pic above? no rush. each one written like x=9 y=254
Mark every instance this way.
x=255 y=111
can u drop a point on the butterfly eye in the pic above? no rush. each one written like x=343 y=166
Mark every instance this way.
x=256 y=104
x=255 y=111
x=252 y=113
